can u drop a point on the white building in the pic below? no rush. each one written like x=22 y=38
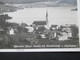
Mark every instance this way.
x=11 y=32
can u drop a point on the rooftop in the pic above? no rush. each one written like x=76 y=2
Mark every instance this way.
x=39 y=22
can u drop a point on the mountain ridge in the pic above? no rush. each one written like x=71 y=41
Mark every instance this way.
x=74 y=2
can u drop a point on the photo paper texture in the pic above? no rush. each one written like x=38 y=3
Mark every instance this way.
x=38 y=24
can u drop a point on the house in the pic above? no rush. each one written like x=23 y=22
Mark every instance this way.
x=1 y=30
x=53 y=27
x=30 y=29
x=11 y=32
x=64 y=37
x=23 y=25
x=51 y=34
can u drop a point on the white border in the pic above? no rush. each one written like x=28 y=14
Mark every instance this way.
x=78 y=6
x=42 y=50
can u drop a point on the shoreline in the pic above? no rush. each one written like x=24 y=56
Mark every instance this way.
x=7 y=8
x=13 y=8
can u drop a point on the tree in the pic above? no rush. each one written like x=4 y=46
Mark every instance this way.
x=4 y=24
x=2 y=3
x=74 y=30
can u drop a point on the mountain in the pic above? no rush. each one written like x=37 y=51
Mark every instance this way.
x=74 y=2
x=51 y=3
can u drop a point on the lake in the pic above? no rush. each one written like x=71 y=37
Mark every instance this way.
x=56 y=15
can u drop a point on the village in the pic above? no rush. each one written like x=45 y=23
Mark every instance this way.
x=38 y=33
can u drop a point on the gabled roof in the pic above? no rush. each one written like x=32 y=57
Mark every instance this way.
x=54 y=25
x=23 y=25
x=39 y=22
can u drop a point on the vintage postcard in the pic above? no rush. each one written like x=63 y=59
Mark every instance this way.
x=39 y=24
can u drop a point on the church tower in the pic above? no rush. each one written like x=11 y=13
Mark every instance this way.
x=47 y=22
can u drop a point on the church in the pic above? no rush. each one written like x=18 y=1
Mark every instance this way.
x=37 y=24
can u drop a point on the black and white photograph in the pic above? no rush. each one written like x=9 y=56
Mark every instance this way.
x=39 y=24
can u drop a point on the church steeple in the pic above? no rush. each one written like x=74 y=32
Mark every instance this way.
x=47 y=18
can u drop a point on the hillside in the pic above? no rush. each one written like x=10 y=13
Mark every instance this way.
x=73 y=2
x=6 y=8
x=33 y=3
x=55 y=3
